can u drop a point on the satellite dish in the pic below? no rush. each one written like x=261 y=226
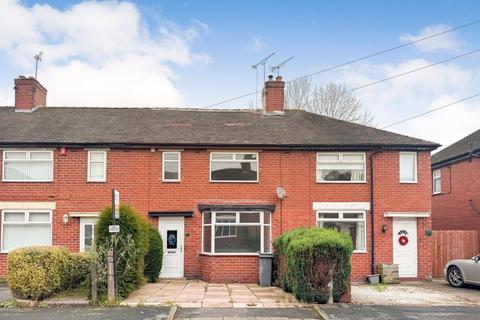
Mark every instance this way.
x=281 y=193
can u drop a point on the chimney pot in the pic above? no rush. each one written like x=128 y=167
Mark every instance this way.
x=270 y=77
x=278 y=78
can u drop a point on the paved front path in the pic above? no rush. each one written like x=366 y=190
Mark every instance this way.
x=200 y=294
x=5 y=293
x=355 y=312
x=85 y=314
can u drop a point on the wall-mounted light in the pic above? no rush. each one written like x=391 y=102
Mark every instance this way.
x=384 y=228
x=65 y=218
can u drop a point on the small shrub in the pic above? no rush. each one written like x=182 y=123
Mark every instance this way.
x=131 y=245
x=38 y=272
x=304 y=258
x=154 y=256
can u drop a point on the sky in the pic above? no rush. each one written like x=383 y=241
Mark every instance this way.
x=197 y=53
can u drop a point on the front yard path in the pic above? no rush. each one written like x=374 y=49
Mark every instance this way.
x=200 y=294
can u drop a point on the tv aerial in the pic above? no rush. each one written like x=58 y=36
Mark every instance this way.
x=37 y=58
x=280 y=65
x=255 y=67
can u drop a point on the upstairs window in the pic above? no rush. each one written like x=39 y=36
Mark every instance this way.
x=340 y=167
x=437 y=181
x=408 y=167
x=171 y=166
x=97 y=166
x=27 y=166
x=233 y=167
x=25 y=229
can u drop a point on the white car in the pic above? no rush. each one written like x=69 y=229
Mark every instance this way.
x=463 y=271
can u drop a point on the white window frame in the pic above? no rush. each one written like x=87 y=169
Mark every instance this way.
x=257 y=160
x=436 y=175
x=28 y=152
x=340 y=155
x=24 y=222
x=237 y=223
x=179 y=161
x=341 y=219
x=415 y=167
x=89 y=162
x=83 y=223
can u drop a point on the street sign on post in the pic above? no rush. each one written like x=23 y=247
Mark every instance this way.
x=116 y=204
x=114 y=228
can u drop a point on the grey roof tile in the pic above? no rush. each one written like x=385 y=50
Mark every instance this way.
x=460 y=148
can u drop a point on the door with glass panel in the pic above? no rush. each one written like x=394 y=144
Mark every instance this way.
x=87 y=234
x=172 y=231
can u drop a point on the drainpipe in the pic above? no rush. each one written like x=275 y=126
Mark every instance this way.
x=372 y=215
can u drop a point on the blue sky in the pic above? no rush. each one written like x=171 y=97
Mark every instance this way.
x=194 y=53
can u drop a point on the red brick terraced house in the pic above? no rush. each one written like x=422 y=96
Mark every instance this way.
x=220 y=185
x=456 y=185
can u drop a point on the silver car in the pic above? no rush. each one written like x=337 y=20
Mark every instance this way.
x=463 y=271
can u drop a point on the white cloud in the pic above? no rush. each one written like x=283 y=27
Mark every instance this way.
x=446 y=42
x=416 y=93
x=99 y=53
x=257 y=43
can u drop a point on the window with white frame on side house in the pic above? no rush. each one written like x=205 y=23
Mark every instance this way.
x=97 y=166
x=341 y=167
x=171 y=164
x=234 y=167
x=24 y=228
x=437 y=181
x=408 y=167
x=234 y=232
x=27 y=166
x=350 y=222
x=87 y=233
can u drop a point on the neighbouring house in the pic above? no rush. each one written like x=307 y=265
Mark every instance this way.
x=220 y=185
x=456 y=201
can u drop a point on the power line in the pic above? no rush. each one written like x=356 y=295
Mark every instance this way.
x=430 y=111
x=354 y=60
x=414 y=70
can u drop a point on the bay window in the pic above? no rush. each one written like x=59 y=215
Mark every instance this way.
x=233 y=167
x=26 y=228
x=28 y=165
x=236 y=232
x=350 y=222
x=340 y=167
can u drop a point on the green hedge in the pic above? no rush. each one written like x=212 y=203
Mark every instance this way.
x=154 y=256
x=304 y=258
x=38 y=272
x=131 y=247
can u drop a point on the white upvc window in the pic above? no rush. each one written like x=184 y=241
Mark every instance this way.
x=171 y=166
x=87 y=234
x=97 y=166
x=437 y=181
x=350 y=222
x=408 y=167
x=24 y=228
x=234 y=167
x=345 y=167
x=236 y=232
x=27 y=166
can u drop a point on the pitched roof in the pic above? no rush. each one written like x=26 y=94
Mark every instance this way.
x=189 y=127
x=459 y=149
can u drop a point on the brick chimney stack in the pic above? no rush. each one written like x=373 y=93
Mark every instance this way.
x=273 y=95
x=29 y=94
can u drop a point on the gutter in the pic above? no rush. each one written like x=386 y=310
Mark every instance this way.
x=464 y=156
x=372 y=209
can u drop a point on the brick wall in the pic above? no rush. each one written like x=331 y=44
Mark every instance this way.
x=137 y=175
x=451 y=209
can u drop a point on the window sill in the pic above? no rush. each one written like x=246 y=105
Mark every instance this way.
x=359 y=251
x=236 y=182
x=171 y=181
x=342 y=182
x=437 y=193
x=23 y=181
x=408 y=182
x=96 y=181
x=229 y=254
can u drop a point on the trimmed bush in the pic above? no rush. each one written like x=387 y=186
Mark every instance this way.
x=131 y=245
x=154 y=256
x=38 y=272
x=304 y=258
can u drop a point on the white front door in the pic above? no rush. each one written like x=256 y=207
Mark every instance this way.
x=405 y=246
x=172 y=232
